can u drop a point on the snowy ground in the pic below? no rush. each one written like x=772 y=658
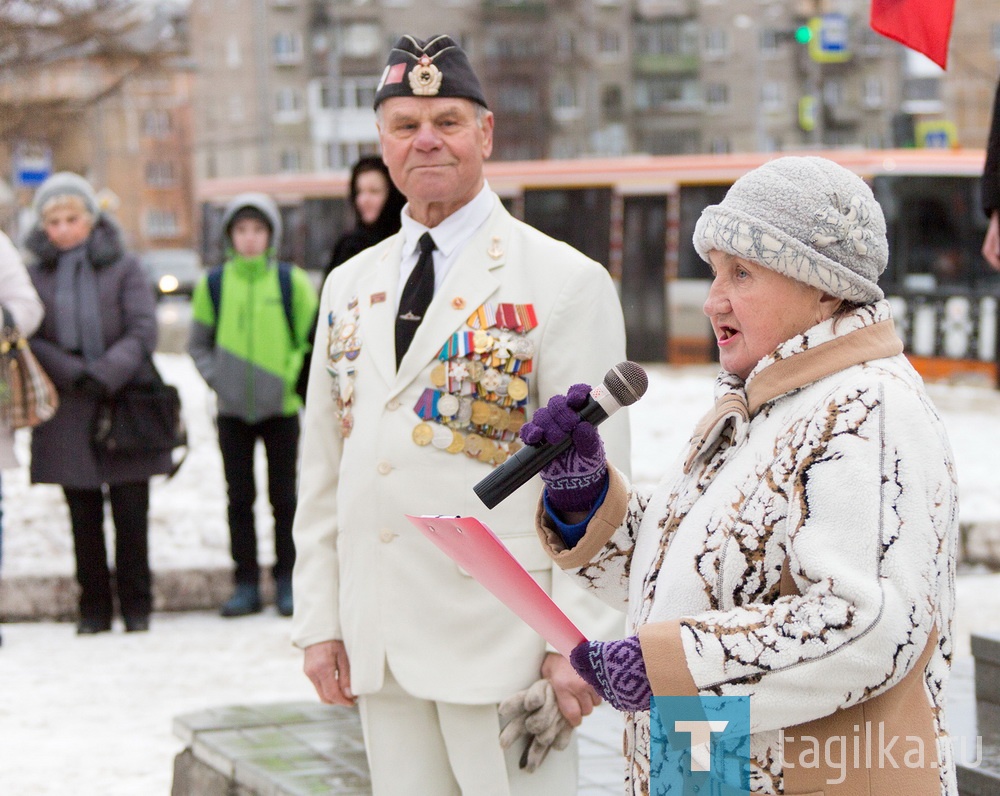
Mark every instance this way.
x=93 y=715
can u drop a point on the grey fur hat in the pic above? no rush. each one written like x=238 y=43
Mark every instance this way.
x=260 y=202
x=66 y=183
x=807 y=218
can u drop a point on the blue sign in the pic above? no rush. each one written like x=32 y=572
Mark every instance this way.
x=699 y=746
x=32 y=164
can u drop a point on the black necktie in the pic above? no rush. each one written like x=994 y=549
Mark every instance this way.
x=416 y=297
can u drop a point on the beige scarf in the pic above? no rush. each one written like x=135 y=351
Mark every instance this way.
x=728 y=419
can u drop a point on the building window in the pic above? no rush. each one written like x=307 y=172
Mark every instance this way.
x=161 y=224
x=769 y=42
x=873 y=93
x=286 y=48
x=995 y=39
x=161 y=174
x=565 y=44
x=871 y=43
x=833 y=93
x=288 y=104
x=359 y=40
x=156 y=123
x=290 y=160
x=716 y=45
x=666 y=37
x=719 y=146
x=511 y=47
x=565 y=96
x=612 y=102
x=609 y=42
x=655 y=93
x=716 y=95
x=514 y=98
x=772 y=95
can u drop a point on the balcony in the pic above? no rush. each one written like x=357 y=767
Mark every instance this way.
x=672 y=64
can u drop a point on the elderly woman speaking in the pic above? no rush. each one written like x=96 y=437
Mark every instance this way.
x=801 y=552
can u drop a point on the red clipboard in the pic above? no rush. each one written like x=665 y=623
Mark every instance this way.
x=479 y=551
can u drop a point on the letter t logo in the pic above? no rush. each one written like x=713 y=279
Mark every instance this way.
x=701 y=737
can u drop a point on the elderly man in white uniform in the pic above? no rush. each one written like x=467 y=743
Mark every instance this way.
x=433 y=348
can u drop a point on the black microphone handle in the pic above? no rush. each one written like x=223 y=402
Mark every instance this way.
x=524 y=465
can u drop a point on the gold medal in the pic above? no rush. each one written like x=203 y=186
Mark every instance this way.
x=516 y=420
x=500 y=456
x=517 y=389
x=457 y=442
x=473 y=444
x=439 y=374
x=481 y=341
x=423 y=434
x=480 y=412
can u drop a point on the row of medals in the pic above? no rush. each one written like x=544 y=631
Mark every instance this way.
x=483 y=425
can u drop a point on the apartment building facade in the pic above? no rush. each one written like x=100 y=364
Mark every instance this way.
x=287 y=85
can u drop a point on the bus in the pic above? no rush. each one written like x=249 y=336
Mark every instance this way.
x=636 y=215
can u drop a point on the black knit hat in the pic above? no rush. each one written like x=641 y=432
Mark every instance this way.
x=437 y=67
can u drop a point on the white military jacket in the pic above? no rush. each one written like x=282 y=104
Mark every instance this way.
x=374 y=450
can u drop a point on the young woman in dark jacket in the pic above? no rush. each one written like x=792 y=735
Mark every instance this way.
x=97 y=338
x=377 y=204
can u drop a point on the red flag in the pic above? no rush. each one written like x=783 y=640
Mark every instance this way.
x=922 y=25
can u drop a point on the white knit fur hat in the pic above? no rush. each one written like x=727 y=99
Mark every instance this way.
x=66 y=183
x=807 y=218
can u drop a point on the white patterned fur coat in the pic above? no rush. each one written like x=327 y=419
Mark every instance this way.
x=829 y=466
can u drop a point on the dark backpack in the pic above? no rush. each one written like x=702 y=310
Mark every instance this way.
x=284 y=282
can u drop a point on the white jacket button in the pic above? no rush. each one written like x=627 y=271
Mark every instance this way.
x=386 y=536
x=393 y=405
x=384 y=467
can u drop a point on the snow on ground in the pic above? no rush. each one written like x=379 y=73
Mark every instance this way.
x=94 y=715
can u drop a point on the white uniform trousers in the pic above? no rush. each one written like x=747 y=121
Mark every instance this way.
x=446 y=749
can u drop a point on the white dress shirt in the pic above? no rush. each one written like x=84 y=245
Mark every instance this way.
x=449 y=237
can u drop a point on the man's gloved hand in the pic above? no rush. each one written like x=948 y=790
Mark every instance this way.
x=616 y=670
x=575 y=479
x=534 y=715
x=88 y=385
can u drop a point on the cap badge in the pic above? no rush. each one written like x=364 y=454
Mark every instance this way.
x=425 y=78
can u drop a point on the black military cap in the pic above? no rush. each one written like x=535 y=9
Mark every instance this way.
x=437 y=67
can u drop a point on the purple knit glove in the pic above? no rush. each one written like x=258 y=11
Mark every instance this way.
x=575 y=479
x=615 y=670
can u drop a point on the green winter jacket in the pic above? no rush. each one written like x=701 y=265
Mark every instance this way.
x=248 y=354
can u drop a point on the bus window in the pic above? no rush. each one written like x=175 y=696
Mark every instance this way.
x=643 y=279
x=581 y=217
x=694 y=199
x=935 y=232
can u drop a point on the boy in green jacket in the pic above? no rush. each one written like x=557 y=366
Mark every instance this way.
x=249 y=335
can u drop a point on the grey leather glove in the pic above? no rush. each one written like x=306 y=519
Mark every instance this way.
x=533 y=714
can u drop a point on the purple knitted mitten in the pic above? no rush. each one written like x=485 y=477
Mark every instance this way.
x=574 y=479
x=616 y=671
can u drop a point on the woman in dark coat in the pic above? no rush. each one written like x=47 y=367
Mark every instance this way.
x=97 y=338
x=377 y=204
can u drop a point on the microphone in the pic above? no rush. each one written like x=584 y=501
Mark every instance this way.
x=623 y=385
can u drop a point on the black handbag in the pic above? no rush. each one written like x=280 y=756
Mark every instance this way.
x=142 y=418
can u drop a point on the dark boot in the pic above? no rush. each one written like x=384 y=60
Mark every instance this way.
x=283 y=596
x=245 y=600
x=89 y=625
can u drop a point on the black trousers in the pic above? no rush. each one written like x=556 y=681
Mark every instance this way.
x=130 y=513
x=237 y=439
